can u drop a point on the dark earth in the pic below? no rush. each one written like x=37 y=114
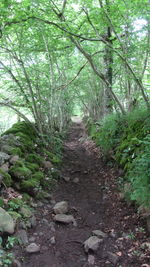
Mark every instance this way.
x=96 y=204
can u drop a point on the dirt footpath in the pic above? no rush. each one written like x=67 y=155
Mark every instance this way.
x=90 y=188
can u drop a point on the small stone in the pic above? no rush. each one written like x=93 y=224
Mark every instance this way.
x=47 y=165
x=52 y=226
x=14 y=159
x=40 y=204
x=16 y=263
x=61 y=207
x=146 y=245
x=63 y=218
x=7 y=223
x=41 y=234
x=99 y=233
x=52 y=240
x=32 y=239
x=76 y=180
x=33 y=248
x=113 y=258
x=3 y=158
x=45 y=221
x=53 y=202
x=66 y=179
x=92 y=243
x=33 y=221
x=25 y=212
x=5 y=167
x=22 y=236
x=91 y=260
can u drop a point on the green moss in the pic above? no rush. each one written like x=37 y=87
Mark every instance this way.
x=1 y=202
x=32 y=166
x=26 y=197
x=55 y=159
x=19 y=163
x=15 y=215
x=22 y=127
x=38 y=176
x=20 y=172
x=15 y=203
x=30 y=184
x=16 y=151
x=26 y=141
x=34 y=158
x=6 y=178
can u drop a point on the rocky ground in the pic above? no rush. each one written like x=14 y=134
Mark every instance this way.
x=86 y=222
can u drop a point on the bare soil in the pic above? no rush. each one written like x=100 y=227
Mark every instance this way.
x=95 y=202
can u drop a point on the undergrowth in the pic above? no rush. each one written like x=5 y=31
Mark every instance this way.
x=127 y=137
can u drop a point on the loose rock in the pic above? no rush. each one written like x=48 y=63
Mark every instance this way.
x=92 y=243
x=7 y=223
x=113 y=257
x=76 y=180
x=14 y=159
x=3 y=157
x=66 y=179
x=5 y=167
x=61 y=207
x=99 y=233
x=52 y=240
x=25 y=212
x=33 y=221
x=22 y=236
x=33 y=248
x=16 y=263
x=63 y=218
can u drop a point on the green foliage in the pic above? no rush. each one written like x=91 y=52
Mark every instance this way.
x=139 y=174
x=38 y=176
x=32 y=166
x=1 y=202
x=20 y=172
x=54 y=158
x=129 y=139
x=22 y=127
x=6 y=178
x=14 y=204
x=34 y=158
x=30 y=184
x=11 y=241
x=16 y=151
x=108 y=135
x=6 y=258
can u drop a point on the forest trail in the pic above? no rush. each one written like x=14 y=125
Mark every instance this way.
x=89 y=187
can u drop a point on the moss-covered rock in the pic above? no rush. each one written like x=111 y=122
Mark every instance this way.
x=32 y=166
x=34 y=158
x=15 y=215
x=2 y=202
x=16 y=151
x=26 y=197
x=55 y=159
x=26 y=142
x=22 y=127
x=38 y=176
x=6 y=178
x=20 y=172
x=30 y=184
x=14 y=204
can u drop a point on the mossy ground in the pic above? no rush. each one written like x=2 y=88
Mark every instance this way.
x=128 y=139
x=7 y=180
